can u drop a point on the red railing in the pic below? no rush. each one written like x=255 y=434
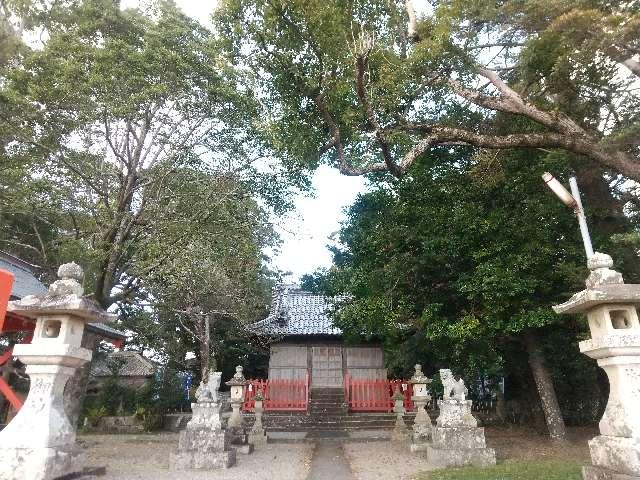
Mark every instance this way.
x=374 y=395
x=279 y=394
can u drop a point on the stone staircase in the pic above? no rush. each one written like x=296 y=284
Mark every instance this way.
x=328 y=416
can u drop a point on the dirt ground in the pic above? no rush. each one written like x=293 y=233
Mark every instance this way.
x=146 y=457
x=388 y=461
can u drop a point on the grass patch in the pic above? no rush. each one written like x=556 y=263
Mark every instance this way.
x=545 y=470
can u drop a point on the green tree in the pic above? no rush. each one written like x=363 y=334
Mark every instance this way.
x=371 y=86
x=102 y=116
x=460 y=261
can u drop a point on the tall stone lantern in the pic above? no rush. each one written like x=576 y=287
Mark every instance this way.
x=237 y=384
x=236 y=424
x=39 y=443
x=610 y=306
x=422 y=426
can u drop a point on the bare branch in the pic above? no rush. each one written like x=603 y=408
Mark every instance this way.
x=412 y=23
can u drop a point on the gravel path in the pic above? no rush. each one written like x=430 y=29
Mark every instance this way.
x=383 y=461
x=146 y=457
x=329 y=462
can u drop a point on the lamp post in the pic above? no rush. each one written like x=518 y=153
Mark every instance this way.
x=237 y=384
x=236 y=424
x=572 y=200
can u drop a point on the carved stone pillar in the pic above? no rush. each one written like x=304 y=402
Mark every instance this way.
x=400 y=431
x=258 y=435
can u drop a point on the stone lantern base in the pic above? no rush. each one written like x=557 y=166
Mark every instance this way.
x=614 y=458
x=459 y=447
x=44 y=463
x=203 y=445
x=457 y=440
x=203 y=449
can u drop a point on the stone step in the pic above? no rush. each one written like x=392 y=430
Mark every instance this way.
x=328 y=410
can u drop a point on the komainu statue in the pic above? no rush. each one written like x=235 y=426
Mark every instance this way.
x=453 y=389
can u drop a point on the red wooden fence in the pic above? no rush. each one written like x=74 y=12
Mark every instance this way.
x=374 y=395
x=279 y=394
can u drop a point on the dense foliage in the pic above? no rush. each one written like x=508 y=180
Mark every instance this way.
x=457 y=265
x=129 y=146
x=372 y=85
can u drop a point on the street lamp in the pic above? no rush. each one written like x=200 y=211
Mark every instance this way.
x=572 y=200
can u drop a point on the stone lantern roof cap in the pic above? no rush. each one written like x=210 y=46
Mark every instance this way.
x=64 y=297
x=604 y=285
x=592 y=297
x=34 y=306
x=418 y=376
x=238 y=379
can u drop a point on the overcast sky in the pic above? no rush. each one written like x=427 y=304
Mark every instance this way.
x=305 y=231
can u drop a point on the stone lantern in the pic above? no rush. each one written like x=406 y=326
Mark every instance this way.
x=237 y=384
x=422 y=427
x=236 y=424
x=610 y=306
x=39 y=443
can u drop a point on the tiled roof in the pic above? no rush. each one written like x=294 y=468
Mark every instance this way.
x=132 y=365
x=297 y=312
x=26 y=283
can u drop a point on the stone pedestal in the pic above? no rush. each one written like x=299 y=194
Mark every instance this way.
x=39 y=443
x=457 y=439
x=203 y=444
x=400 y=431
x=610 y=306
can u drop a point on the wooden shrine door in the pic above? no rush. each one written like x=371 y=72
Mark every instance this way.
x=326 y=366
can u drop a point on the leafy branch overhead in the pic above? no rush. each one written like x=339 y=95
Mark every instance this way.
x=372 y=86
x=119 y=123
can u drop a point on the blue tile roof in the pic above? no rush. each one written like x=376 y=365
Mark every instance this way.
x=26 y=282
x=298 y=312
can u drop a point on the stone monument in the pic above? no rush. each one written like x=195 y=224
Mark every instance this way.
x=610 y=306
x=422 y=427
x=258 y=435
x=203 y=444
x=457 y=439
x=236 y=424
x=39 y=443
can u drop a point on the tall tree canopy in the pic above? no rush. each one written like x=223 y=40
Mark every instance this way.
x=458 y=262
x=370 y=86
x=122 y=127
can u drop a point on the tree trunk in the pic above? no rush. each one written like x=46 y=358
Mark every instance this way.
x=76 y=388
x=205 y=340
x=547 y=392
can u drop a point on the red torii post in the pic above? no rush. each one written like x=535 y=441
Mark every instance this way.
x=9 y=323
